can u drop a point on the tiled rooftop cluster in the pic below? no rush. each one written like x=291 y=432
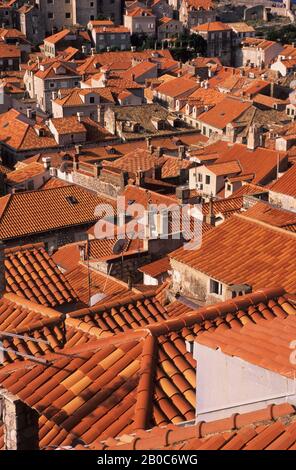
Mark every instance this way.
x=114 y=328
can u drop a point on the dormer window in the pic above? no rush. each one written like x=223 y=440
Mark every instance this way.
x=216 y=287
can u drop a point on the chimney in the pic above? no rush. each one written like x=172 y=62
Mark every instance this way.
x=46 y=162
x=2 y=268
x=148 y=142
x=93 y=51
x=20 y=422
x=158 y=152
x=84 y=50
x=181 y=152
x=253 y=138
x=82 y=251
x=80 y=116
x=272 y=89
x=29 y=112
x=78 y=149
x=96 y=170
x=54 y=95
x=210 y=217
x=133 y=48
x=151 y=149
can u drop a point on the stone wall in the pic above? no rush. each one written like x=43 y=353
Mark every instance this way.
x=20 y=423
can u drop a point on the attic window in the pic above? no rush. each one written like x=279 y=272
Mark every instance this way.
x=215 y=287
x=72 y=200
x=131 y=201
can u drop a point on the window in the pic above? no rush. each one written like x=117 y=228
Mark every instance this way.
x=199 y=177
x=91 y=99
x=68 y=15
x=50 y=15
x=208 y=179
x=215 y=287
x=229 y=187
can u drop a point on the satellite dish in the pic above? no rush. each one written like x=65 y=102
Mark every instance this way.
x=120 y=246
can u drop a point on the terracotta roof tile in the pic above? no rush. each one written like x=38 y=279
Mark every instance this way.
x=114 y=386
x=273 y=216
x=224 y=112
x=24 y=173
x=266 y=345
x=32 y=274
x=251 y=261
x=213 y=26
x=240 y=432
x=286 y=184
x=65 y=206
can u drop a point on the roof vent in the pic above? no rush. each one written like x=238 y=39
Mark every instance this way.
x=72 y=200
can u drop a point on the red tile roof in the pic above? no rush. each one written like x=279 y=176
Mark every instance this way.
x=31 y=273
x=225 y=168
x=156 y=268
x=272 y=215
x=87 y=283
x=271 y=428
x=226 y=207
x=200 y=4
x=139 y=12
x=266 y=345
x=177 y=87
x=131 y=381
x=9 y=51
x=260 y=162
x=32 y=212
x=55 y=38
x=34 y=330
x=286 y=184
x=17 y=133
x=212 y=26
x=224 y=112
x=25 y=172
x=236 y=252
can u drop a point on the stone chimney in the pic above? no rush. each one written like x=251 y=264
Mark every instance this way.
x=97 y=169
x=148 y=142
x=2 y=268
x=20 y=423
x=181 y=152
x=158 y=152
x=253 y=137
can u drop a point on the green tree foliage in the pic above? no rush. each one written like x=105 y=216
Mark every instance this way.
x=285 y=34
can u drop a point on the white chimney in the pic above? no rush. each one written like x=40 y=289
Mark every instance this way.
x=80 y=116
x=46 y=162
